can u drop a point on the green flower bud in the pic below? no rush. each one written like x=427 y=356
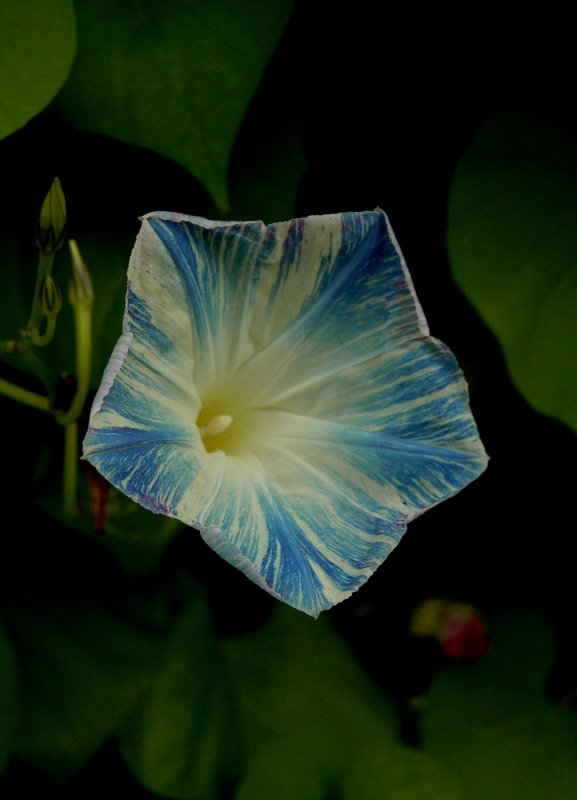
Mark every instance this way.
x=80 y=292
x=51 y=226
x=50 y=297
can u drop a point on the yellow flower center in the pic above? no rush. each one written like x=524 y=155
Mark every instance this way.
x=218 y=428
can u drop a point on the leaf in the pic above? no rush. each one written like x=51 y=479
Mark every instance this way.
x=493 y=725
x=37 y=47
x=315 y=726
x=512 y=240
x=174 y=77
x=181 y=740
x=88 y=646
x=400 y=774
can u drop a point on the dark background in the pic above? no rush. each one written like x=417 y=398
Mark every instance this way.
x=386 y=102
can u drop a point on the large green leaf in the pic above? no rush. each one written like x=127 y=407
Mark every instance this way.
x=88 y=647
x=175 y=77
x=493 y=725
x=315 y=726
x=512 y=241
x=181 y=740
x=37 y=46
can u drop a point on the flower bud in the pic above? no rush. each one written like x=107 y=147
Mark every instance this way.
x=50 y=297
x=80 y=292
x=51 y=226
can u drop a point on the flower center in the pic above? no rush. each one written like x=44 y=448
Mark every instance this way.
x=216 y=426
x=218 y=429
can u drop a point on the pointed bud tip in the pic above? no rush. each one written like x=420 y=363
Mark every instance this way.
x=51 y=225
x=80 y=288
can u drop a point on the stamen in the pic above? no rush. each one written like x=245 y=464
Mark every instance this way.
x=217 y=425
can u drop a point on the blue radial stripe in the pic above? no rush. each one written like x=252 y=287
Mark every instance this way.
x=220 y=269
x=352 y=317
x=161 y=477
x=292 y=565
x=334 y=520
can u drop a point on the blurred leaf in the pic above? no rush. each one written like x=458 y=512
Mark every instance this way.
x=88 y=648
x=401 y=774
x=8 y=695
x=512 y=241
x=37 y=47
x=181 y=741
x=314 y=725
x=173 y=77
x=492 y=724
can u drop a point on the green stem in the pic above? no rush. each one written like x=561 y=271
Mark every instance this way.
x=70 y=470
x=42 y=339
x=17 y=346
x=24 y=396
x=83 y=351
x=81 y=298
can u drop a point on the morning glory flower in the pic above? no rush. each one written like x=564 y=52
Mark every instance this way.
x=276 y=388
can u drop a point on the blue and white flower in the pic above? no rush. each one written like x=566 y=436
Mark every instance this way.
x=276 y=388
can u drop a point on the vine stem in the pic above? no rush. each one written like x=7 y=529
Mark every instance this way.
x=24 y=396
x=81 y=298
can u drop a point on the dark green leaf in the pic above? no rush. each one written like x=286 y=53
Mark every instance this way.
x=314 y=724
x=88 y=648
x=37 y=47
x=512 y=242
x=493 y=725
x=174 y=77
x=181 y=740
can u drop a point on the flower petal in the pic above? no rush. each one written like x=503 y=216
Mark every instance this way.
x=276 y=387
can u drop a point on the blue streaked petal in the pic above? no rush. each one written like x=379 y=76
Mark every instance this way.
x=317 y=512
x=277 y=388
